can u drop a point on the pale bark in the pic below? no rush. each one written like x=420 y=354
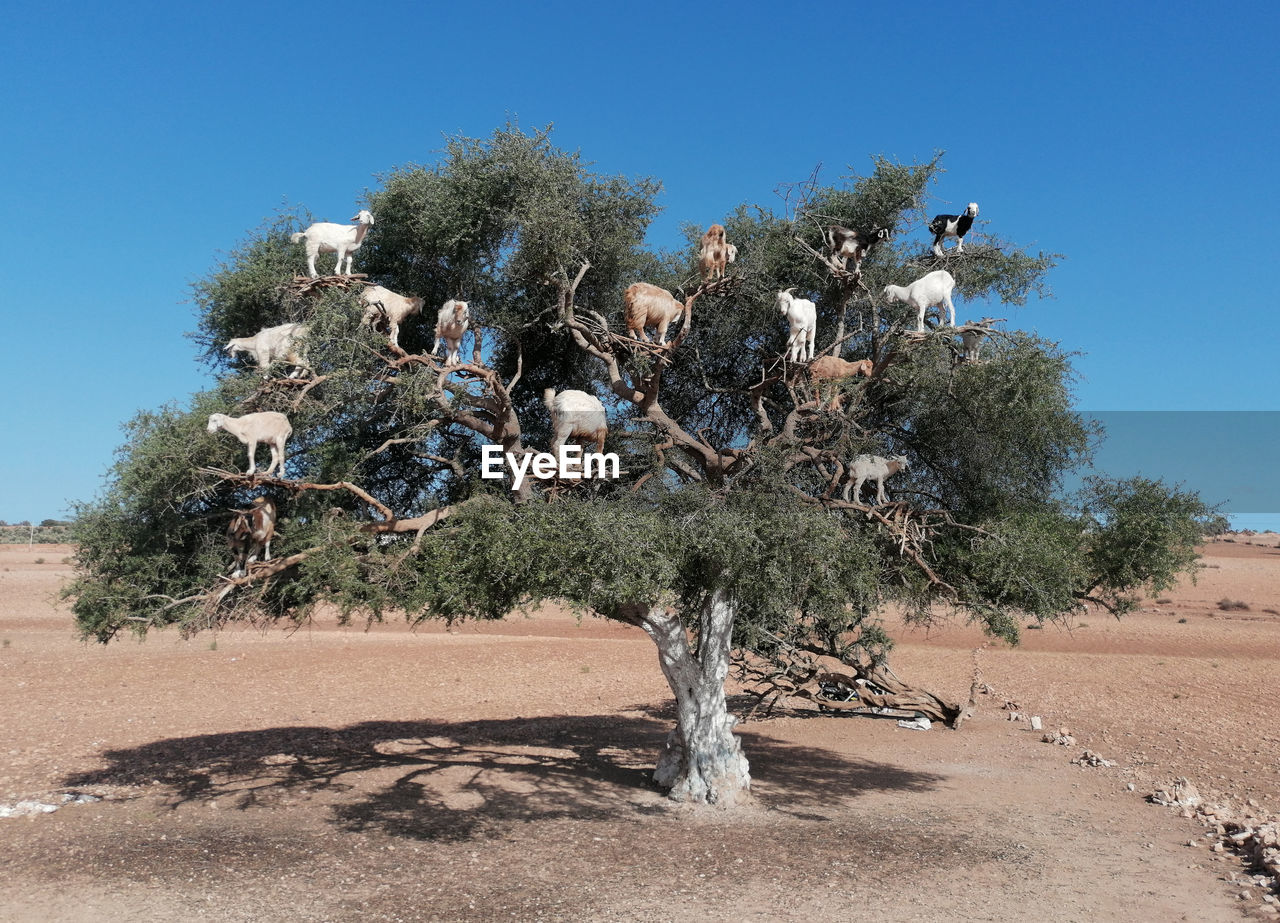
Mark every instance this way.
x=702 y=759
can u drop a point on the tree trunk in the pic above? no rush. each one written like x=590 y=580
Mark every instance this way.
x=702 y=760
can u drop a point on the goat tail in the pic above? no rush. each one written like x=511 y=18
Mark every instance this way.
x=297 y=237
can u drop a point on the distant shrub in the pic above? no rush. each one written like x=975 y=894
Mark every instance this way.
x=1164 y=601
x=1233 y=605
x=1182 y=621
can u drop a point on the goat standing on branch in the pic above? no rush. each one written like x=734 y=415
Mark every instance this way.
x=342 y=239
x=249 y=534
x=835 y=369
x=274 y=344
x=715 y=254
x=922 y=294
x=575 y=415
x=802 y=318
x=875 y=468
x=845 y=245
x=384 y=306
x=956 y=226
x=268 y=426
x=646 y=305
x=451 y=323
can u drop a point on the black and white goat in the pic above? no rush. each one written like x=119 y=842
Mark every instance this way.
x=845 y=244
x=944 y=226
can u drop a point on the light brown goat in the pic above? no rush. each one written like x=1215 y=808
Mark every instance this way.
x=250 y=533
x=833 y=368
x=647 y=305
x=716 y=253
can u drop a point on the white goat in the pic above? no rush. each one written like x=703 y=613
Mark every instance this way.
x=646 y=305
x=268 y=426
x=382 y=304
x=250 y=532
x=274 y=344
x=875 y=468
x=451 y=323
x=575 y=415
x=924 y=293
x=802 y=316
x=944 y=226
x=342 y=239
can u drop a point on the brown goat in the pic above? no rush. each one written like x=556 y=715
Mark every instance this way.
x=833 y=368
x=646 y=305
x=250 y=532
x=716 y=254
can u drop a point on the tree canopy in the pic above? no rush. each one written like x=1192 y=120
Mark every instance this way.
x=726 y=530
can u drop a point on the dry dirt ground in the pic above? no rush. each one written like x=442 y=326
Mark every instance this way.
x=499 y=772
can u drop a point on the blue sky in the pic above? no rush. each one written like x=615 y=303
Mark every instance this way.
x=143 y=141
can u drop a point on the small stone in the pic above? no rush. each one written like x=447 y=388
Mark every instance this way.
x=1064 y=732
x=1130 y=787
x=1245 y=895
x=1036 y=723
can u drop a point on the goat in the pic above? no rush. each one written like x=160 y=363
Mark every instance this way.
x=382 y=304
x=875 y=468
x=646 y=305
x=250 y=532
x=451 y=324
x=802 y=316
x=342 y=239
x=268 y=426
x=922 y=294
x=716 y=253
x=971 y=345
x=274 y=344
x=944 y=226
x=575 y=414
x=833 y=368
x=845 y=244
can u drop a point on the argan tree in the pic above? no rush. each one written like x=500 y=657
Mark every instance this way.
x=726 y=531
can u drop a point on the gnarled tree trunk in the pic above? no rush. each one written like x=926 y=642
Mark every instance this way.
x=702 y=760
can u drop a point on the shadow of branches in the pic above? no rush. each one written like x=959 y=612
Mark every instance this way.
x=441 y=780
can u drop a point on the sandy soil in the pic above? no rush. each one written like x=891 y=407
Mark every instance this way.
x=500 y=772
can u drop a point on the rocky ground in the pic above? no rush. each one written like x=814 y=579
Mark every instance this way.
x=500 y=772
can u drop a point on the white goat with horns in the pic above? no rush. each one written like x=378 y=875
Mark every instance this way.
x=268 y=426
x=342 y=239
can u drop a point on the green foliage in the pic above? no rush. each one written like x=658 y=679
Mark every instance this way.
x=504 y=222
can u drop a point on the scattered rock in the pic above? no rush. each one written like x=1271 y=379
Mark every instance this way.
x=1089 y=758
x=1181 y=794
x=1062 y=740
x=1036 y=723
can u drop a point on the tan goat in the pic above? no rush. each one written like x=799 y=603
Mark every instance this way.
x=833 y=368
x=646 y=305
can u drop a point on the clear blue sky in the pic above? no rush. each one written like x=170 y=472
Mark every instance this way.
x=141 y=141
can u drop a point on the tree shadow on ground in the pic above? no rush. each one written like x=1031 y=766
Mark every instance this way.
x=456 y=780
